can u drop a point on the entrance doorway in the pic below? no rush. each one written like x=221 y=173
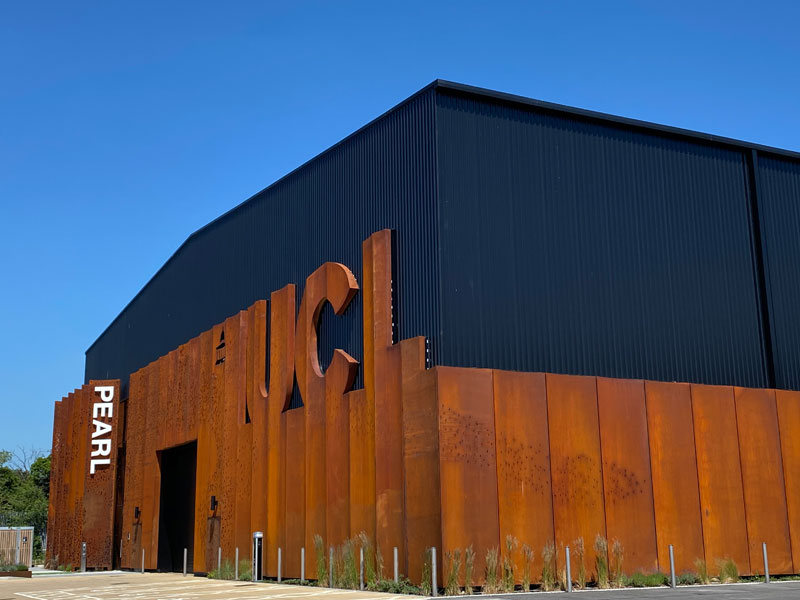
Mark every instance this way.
x=176 y=515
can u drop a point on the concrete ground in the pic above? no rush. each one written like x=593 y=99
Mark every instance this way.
x=164 y=586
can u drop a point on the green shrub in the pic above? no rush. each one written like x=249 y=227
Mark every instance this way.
x=688 y=578
x=640 y=580
x=453 y=569
x=390 y=586
x=245 y=570
x=469 y=569
x=728 y=571
x=13 y=567
x=296 y=582
x=601 y=561
x=225 y=571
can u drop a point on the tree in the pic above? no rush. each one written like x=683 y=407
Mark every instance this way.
x=24 y=490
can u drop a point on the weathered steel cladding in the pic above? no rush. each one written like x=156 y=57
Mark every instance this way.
x=580 y=246
x=383 y=176
x=779 y=211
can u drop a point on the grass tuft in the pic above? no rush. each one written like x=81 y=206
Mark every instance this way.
x=491 y=585
x=527 y=557
x=618 y=554
x=728 y=571
x=509 y=578
x=601 y=561
x=548 y=567
x=702 y=570
x=580 y=555
x=469 y=568
x=453 y=569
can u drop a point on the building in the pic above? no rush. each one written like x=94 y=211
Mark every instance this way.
x=464 y=321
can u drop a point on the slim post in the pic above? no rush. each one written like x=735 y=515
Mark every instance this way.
x=236 y=565
x=219 y=559
x=142 y=561
x=279 y=565
x=19 y=545
x=396 y=570
x=361 y=568
x=330 y=568
x=672 y=567
x=83 y=556
x=433 y=572
x=766 y=563
x=185 y=560
x=569 y=572
x=302 y=564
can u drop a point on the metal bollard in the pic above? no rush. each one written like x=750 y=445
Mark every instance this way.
x=83 y=556
x=766 y=563
x=672 y=567
x=219 y=559
x=185 y=560
x=302 y=564
x=142 y=561
x=236 y=565
x=433 y=571
x=330 y=568
x=361 y=569
x=279 y=565
x=569 y=572
x=396 y=569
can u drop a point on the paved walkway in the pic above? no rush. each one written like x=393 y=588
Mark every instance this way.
x=165 y=586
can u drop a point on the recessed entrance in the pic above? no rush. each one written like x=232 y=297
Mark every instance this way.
x=176 y=515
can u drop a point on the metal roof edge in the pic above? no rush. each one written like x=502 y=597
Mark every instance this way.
x=275 y=183
x=609 y=118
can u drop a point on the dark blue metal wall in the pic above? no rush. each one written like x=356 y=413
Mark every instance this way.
x=383 y=176
x=573 y=246
x=529 y=237
x=779 y=207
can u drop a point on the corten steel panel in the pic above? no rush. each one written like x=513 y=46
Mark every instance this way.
x=362 y=465
x=339 y=206
x=627 y=484
x=53 y=507
x=523 y=460
x=382 y=383
x=98 y=498
x=676 y=495
x=282 y=346
x=423 y=506
x=151 y=473
x=762 y=478
x=468 y=462
x=575 y=461
x=295 y=519
x=244 y=441
x=229 y=420
x=778 y=182
x=337 y=459
x=789 y=422
x=206 y=455
x=719 y=474
x=334 y=283
x=582 y=246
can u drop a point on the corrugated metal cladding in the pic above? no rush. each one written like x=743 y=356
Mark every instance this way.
x=779 y=204
x=579 y=247
x=383 y=176
x=530 y=237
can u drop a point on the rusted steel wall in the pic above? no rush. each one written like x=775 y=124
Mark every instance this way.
x=446 y=457
x=81 y=507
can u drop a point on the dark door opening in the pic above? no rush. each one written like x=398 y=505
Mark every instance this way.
x=176 y=515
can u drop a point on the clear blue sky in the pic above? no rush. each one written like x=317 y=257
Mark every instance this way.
x=125 y=126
